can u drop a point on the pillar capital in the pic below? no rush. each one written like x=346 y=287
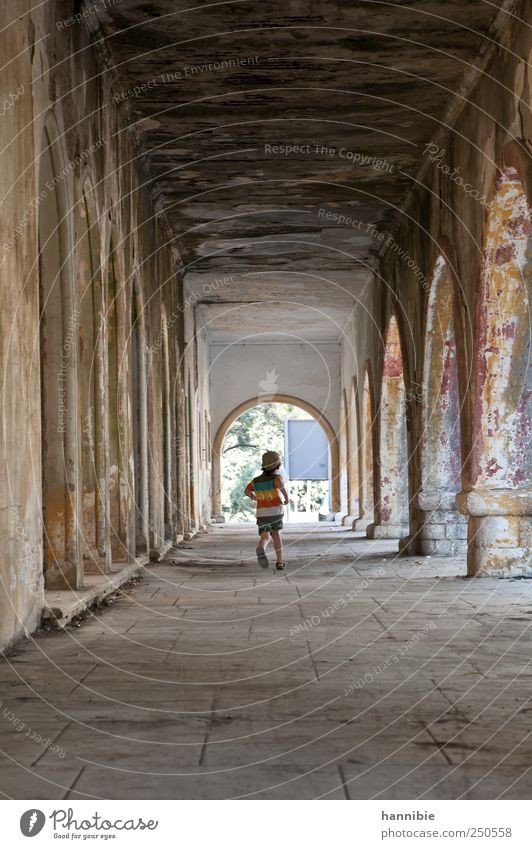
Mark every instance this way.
x=495 y=502
x=436 y=500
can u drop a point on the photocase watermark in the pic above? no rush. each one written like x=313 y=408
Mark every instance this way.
x=390 y=660
x=327 y=152
x=49 y=186
x=190 y=301
x=186 y=73
x=86 y=827
x=65 y=820
x=270 y=384
x=436 y=155
x=66 y=363
x=11 y=99
x=32 y=822
x=341 y=219
x=30 y=733
x=86 y=12
x=331 y=609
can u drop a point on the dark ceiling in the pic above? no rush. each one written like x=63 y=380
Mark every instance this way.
x=360 y=87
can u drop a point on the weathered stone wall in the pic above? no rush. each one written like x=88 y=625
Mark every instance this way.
x=21 y=582
x=59 y=109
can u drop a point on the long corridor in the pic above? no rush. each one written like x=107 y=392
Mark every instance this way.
x=356 y=674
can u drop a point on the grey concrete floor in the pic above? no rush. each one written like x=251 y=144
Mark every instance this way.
x=354 y=675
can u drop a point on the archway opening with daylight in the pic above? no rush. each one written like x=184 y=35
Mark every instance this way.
x=303 y=446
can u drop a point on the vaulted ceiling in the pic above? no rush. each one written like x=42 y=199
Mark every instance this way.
x=352 y=90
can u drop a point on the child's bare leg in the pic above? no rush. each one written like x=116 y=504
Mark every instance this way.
x=264 y=538
x=278 y=545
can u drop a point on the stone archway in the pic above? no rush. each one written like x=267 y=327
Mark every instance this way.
x=442 y=530
x=392 y=507
x=274 y=399
x=498 y=498
x=365 y=453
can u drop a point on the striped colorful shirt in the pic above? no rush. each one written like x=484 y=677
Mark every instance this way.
x=266 y=488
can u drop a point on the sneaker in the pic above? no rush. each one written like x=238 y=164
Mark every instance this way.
x=261 y=557
x=279 y=567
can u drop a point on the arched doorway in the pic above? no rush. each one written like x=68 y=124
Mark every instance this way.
x=443 y=531
x=58 y=349
x=391 y=513
x=501 y=477
x=282 y=399
x=303 y=446
x=367 y=483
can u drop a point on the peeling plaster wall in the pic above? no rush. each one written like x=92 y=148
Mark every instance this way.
x=21 y=582
x=446 y=211
x=449 y=214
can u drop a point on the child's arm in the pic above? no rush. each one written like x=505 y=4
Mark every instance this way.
x=249 y=491
x=279 y=484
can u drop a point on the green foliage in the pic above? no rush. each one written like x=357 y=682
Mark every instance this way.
x=307 y=495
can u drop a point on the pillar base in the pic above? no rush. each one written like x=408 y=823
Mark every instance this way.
x=499 y=532
x=408 y=545
x=95 y=563
x=442 y=529
x=141 y=545
x=361 y=524
x=218 y=518
x=62 y=575
x=348 y=521
x=500 y=546
x=386 y=531
x=339 y=517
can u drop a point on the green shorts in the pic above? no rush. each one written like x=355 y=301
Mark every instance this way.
x=269 y=525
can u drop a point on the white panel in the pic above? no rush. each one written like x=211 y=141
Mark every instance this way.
x=306 y=450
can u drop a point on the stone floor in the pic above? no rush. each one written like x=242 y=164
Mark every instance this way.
x=353 y=675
